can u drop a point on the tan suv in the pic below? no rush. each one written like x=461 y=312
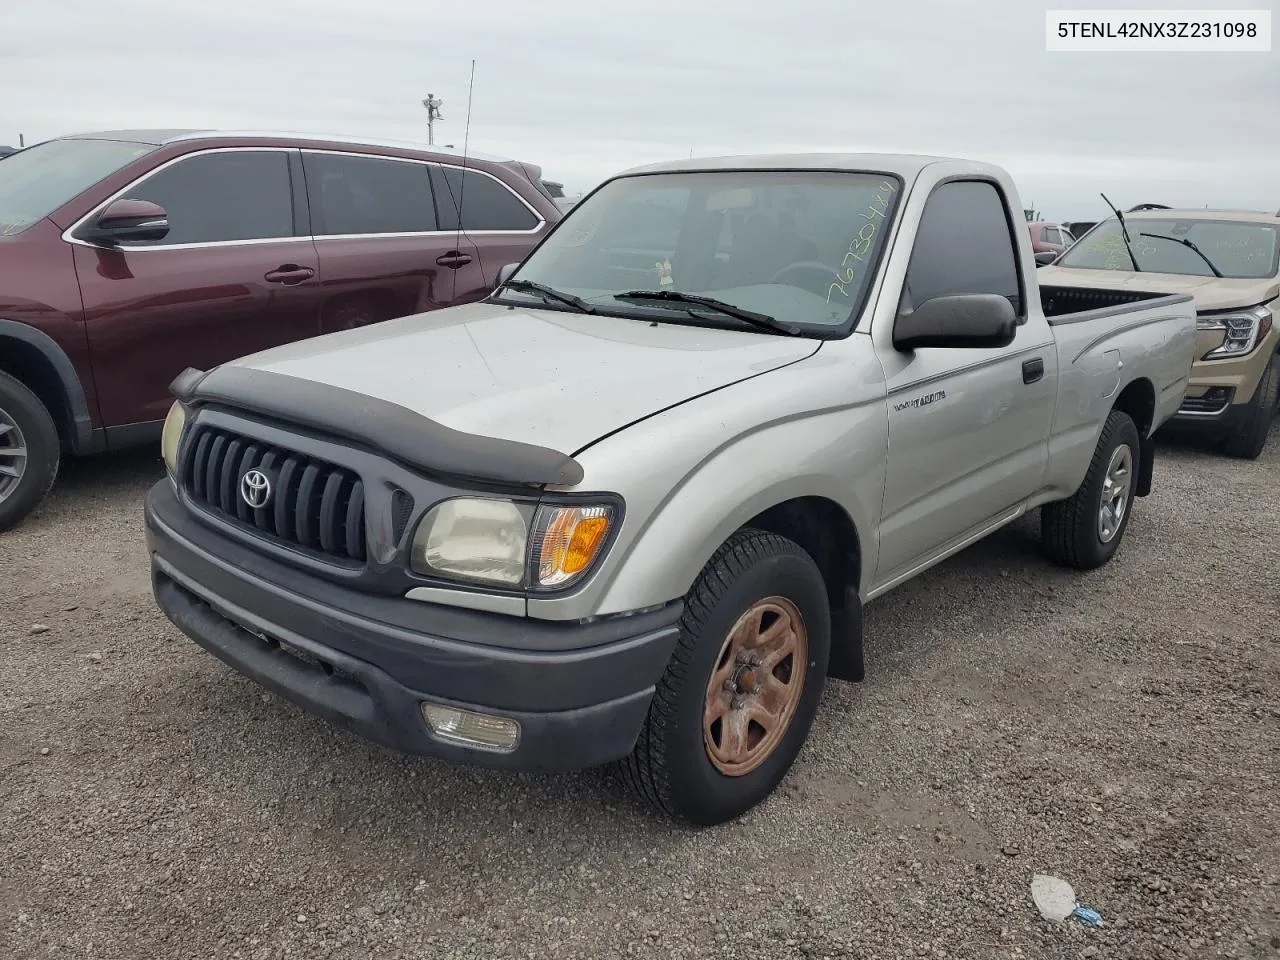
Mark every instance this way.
x=1229 y=261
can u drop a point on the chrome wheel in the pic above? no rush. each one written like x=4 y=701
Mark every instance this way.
x=1115 y=493
x=13 y=455
x=756 y=686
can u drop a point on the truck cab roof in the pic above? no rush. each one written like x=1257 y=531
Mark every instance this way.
x=904 y=164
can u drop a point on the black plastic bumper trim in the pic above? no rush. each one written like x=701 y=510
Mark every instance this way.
x=368 y=702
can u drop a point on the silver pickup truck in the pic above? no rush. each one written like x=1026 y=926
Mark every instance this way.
x=629 y=508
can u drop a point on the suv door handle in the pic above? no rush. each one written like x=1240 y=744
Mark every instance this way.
x=453 y=259
x=290 y=273
x=1032 y=370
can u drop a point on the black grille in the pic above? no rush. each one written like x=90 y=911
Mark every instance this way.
x=401 y=510
x=313 y=504
x=1214 y=400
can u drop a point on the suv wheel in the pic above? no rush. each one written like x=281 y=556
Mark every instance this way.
x=738 y=698
x=1084 y=531
x=29 y=451
x=1250 y=433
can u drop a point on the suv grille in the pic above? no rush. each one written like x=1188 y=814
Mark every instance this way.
x=311 y=504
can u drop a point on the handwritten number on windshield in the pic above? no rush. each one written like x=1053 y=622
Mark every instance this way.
x=860 y=245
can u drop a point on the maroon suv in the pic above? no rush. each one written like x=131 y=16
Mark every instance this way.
x=1048 y=240
x=126 y=257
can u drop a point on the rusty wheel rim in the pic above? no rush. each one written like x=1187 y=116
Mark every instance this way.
x=755 y=686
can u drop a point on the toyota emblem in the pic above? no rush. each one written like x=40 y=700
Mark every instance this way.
x=255 y=489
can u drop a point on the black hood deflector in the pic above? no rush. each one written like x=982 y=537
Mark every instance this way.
x=395 y=431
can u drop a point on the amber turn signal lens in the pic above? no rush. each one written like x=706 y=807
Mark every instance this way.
x=567 y=540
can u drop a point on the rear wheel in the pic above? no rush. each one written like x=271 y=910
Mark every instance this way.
x=738 y=698
x=1249 y=437
x=29 y=451
x=1084 y=531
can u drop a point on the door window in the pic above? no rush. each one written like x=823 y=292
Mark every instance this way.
x=964 y=245
x=223 y=196
x=486 y=204
x=368 y=195
x=1052 y=236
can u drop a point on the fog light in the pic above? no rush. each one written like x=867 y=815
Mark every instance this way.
x=480 y=731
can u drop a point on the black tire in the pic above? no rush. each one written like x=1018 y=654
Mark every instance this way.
x=1070 y=528
x=670 y=766
x=40 y=438
x=1249 y=436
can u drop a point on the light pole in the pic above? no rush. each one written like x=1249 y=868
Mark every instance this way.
x=433 y=104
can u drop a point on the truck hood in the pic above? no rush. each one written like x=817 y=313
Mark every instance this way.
x=555 y=379
x=1209 y=293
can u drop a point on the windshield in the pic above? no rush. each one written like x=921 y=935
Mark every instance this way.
x=37 y=181
x=1238 y=248
x=795 y=246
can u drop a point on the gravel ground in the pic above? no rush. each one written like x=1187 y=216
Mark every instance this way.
x=1119 y=729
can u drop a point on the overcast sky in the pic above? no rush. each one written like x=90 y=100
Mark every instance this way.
x=586 y=88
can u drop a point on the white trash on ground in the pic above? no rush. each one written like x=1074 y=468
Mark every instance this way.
x=1054 y=898
x=1056 y=901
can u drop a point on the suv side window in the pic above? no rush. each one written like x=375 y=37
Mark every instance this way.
x=486 y=204
x=964 y=245
x=1051 y=235
x=368 y=195
x=220 y=196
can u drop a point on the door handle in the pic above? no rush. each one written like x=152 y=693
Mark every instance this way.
x=1032 y=370
x=453 y=259
x=290 y=274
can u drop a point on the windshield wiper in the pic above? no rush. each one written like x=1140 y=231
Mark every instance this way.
x=1189 y=245
x=1124 y=231
x=551 y=293
x=762 y=320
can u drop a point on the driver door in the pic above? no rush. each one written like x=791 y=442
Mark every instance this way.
x=968 y=428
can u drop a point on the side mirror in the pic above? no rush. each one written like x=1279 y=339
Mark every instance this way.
x=972 y=320
x=1046 y=257
x=129 y=220
x=504 y=274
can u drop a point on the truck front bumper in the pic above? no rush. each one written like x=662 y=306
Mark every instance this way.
x=579 y=692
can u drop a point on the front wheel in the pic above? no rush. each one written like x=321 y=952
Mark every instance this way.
x=737 y=700
x=1084 y=531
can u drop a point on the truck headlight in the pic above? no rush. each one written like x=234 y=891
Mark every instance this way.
x=475 y=539
x=1243 y=331
x=171 y=436
x=504 y=543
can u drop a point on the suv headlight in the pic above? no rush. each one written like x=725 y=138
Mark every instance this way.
x=1243 y=331
x=171 y=436
x=504 y=543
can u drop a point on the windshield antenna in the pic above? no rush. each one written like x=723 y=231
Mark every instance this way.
x=462 y=190
x=1124 y=230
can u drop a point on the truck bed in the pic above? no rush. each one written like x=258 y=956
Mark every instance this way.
x=1069 y=304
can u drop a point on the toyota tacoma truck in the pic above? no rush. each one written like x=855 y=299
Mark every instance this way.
x=628 y=509
x=1229 y=262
